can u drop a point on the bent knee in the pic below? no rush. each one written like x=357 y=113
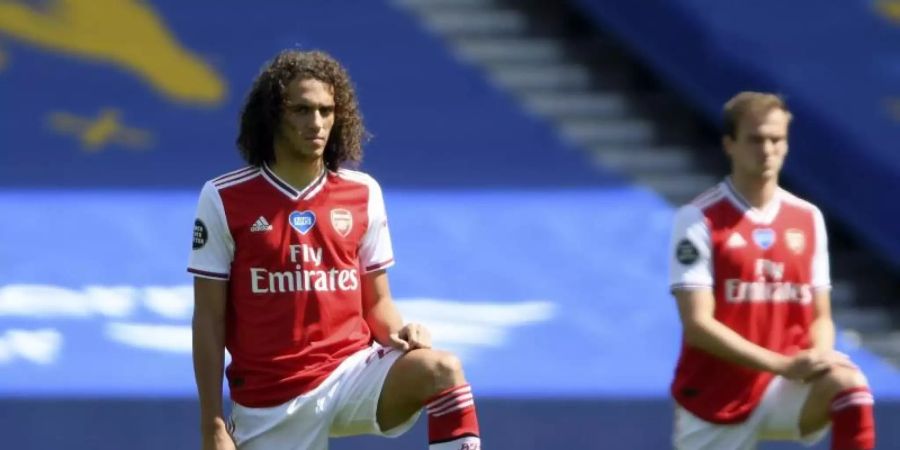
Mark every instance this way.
x=841 y=378
x=449 y=365
x=846 y=377
x=443 y=369
x=446 y=368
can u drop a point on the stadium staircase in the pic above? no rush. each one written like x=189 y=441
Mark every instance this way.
x=565 y=70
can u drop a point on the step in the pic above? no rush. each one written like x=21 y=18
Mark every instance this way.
x=493 y=50
x=885 y=344
x=444 y=4
x=542 y=77
x=862 y=319
x=639 y=160
x=678 y=188
x=577 y=103
x=478 y=22
x=616 y=132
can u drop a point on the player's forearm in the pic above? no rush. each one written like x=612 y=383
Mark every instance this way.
x=821 y=333
x=209 y=359
x=383 y=319
x=714 y=337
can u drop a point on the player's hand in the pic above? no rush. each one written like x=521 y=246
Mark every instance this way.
x=219 y=439
x=812 y=363
x=411 y=337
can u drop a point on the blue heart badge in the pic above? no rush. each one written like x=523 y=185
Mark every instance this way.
x=302 y=221
x=764 y=237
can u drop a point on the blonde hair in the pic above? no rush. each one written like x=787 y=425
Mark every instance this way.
x=750 y=103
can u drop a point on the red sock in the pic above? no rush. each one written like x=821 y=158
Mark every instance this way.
x=452 y=422
x=852 y=420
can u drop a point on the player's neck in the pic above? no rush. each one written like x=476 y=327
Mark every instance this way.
x=758 y=192
x=298 y=173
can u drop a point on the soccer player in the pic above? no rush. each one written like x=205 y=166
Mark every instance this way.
x=750 y=272
x=289 y=257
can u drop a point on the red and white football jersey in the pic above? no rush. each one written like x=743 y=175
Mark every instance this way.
x=763 y=267
x=294 y=261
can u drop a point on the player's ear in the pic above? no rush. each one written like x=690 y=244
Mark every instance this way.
x=727 y=144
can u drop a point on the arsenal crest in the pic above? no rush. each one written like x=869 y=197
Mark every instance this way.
x=795 y=240
x=341 y=221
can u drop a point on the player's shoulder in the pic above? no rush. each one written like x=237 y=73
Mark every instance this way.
x=695 y=210
x=709 y=198
x=797 y=202
x=358 y=177
x=688 y=215
x=233 y=178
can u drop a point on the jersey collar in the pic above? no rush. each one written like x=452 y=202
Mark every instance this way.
x=765 y=215
x=306 y=193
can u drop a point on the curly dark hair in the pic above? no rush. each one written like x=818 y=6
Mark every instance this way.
x=263 y=109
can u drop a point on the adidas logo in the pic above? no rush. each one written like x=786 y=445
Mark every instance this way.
x=261 y=225
x=735 y=241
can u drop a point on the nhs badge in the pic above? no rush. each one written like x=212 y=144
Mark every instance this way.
x=764 y=237
x=302 y=221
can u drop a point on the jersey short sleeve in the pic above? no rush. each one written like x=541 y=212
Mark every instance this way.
x=376 y=252
x=690 y=250
x=213 y=246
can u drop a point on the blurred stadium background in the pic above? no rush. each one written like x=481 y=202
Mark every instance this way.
x=531 y=152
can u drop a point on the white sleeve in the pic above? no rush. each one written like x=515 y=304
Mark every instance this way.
x=821 y=271
x=375 y=251
x=690 y=250
x=213 y=247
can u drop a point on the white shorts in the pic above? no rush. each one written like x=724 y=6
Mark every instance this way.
x=776 y=418
x=344 y=404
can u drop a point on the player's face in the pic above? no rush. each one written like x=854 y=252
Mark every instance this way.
x=307 y=119
x=760 y=146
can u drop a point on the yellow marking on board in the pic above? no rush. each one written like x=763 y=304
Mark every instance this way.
x=889 y=9
x=126 y=33
x=96 y=133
